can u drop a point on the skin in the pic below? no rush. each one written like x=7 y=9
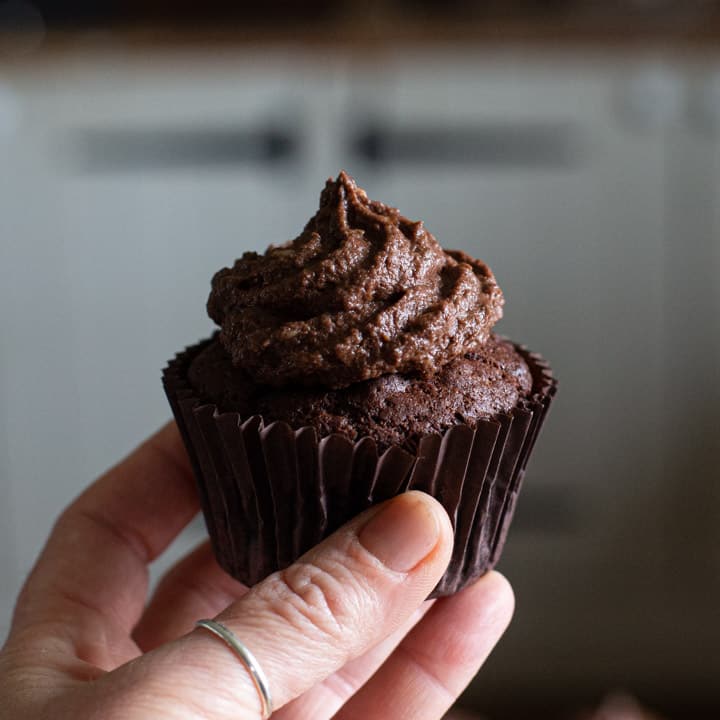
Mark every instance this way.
x=343 y=633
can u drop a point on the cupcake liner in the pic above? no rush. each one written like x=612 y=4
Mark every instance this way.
x=269 y=493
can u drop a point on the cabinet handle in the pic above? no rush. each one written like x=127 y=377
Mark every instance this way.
x=492 y=145
x=120 y=149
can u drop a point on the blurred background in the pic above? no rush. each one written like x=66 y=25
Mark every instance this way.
x=572 y=145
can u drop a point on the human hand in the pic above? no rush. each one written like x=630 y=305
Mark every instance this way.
x=344 y=633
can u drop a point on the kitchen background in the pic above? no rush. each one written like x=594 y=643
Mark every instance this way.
x=574 y=146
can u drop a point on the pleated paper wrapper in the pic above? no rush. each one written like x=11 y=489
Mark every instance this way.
x=269 y=492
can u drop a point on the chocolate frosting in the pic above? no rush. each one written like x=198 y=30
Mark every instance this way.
x=362 y=292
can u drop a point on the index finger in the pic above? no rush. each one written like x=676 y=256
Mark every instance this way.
x=94 y=565
x=304 y=623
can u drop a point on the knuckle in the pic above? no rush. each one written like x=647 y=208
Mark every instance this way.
x=311 y=595
x=333 y=596
x=426 y=669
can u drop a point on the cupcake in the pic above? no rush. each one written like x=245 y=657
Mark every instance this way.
x=351 y=364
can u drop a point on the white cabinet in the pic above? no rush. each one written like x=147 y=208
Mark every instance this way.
x=125 y=186
x=531 y=166
x=528 y=167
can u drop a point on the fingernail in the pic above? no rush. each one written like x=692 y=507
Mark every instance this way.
x=403 y=533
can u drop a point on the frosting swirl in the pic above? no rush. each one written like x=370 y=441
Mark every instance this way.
x=360 y=293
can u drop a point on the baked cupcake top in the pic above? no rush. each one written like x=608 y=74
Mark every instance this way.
x=393 y=409
x=362 y=292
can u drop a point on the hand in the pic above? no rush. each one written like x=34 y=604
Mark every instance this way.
x=343 y=633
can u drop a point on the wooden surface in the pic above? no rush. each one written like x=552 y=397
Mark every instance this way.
x=378 y=26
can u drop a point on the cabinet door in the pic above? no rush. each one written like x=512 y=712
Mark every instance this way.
x=10 y=227
x=127 y=184
x=692 y=311
x=527 y=164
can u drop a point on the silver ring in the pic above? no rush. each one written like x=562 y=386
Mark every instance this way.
x=248 y=660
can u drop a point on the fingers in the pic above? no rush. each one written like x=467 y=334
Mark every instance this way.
x=92 y=577
x=326 y=698
x=306 y=622
x=436 y=661
x=196 y=587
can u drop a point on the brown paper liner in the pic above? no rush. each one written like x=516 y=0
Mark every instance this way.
x=269 y=493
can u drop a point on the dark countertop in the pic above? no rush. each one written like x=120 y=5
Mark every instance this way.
x=665 y=24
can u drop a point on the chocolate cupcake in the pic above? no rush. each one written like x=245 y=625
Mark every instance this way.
x=354 y=363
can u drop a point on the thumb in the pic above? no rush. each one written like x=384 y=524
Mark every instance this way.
x=307 y=621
